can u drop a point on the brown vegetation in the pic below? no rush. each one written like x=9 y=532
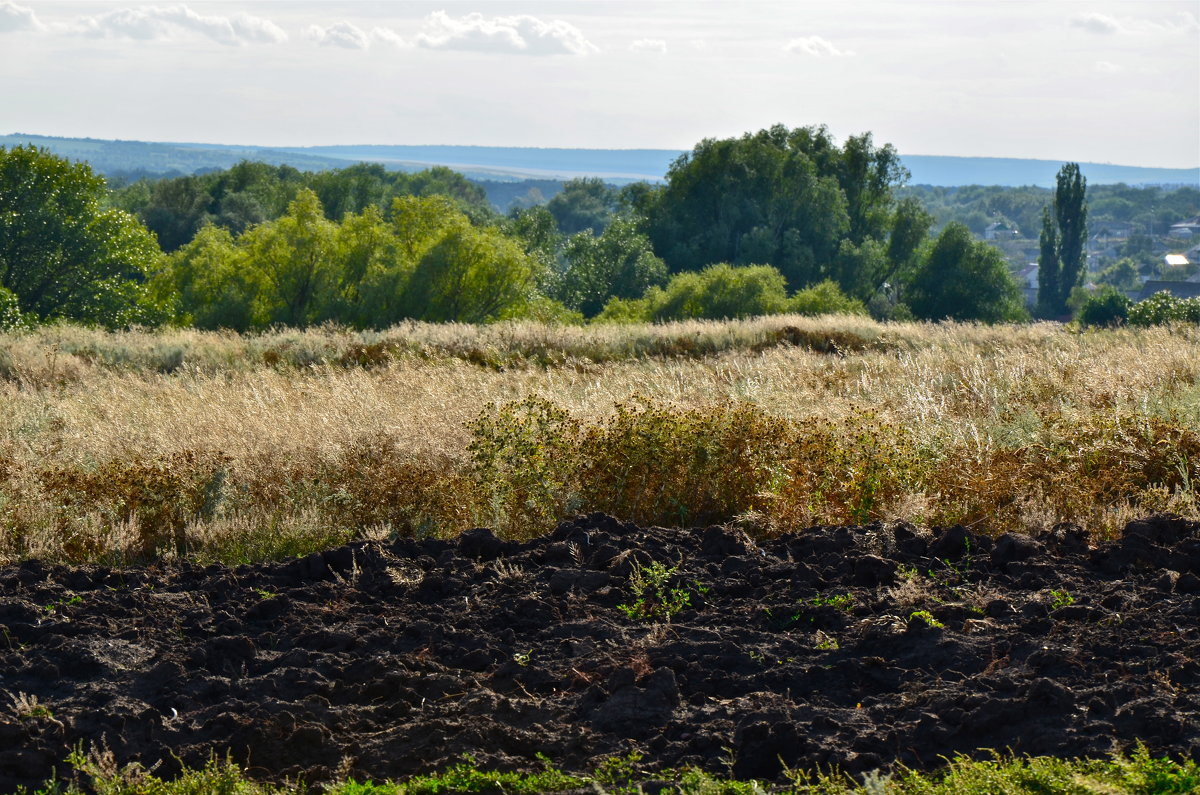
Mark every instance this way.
x=122 y=446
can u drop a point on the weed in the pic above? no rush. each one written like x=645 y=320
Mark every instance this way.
x=620 y=775
x=1059 y=599
x=1138 y=773
x=25 y=706
x=54 y=607
x=842 y=602
x=926 y=617
x=654 y=596
x=826 y=642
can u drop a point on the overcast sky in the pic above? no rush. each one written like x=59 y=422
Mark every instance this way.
x=1115 y=82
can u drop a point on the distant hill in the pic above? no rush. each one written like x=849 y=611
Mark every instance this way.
x=1015 y=172
x=142 y=158
x=497 y=163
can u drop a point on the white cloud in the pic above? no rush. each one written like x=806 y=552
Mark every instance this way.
x=389 y=36
x=1103 y=24
x=817 y=47
x=516 y=34
x=257 y=29
x=1097 y=23
x=649 y=45
x=1107 y=67
x=149 y=23
x=343 y=34
x=14 y=17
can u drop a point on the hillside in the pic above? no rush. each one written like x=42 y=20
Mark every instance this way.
x=133 y=158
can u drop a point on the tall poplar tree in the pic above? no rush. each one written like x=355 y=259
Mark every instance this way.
x=1064 y=234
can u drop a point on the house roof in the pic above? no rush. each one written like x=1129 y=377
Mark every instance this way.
x=1177 y=289
x=1176 y=260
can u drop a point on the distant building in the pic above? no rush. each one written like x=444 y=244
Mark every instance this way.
x=1185 y=229
x=1027 y=277
x=1000 y=231
x=1176 y=261
x=1176 y=289
x=1111 y=230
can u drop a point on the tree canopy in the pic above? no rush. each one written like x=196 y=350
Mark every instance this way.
x=426 y=262
x=738 y=225
x=1062 y=259
x=63 y=253
x=251 y=193
x=790 y=197
x=965 y=279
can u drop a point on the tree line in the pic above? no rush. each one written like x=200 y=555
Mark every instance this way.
x=776 y=220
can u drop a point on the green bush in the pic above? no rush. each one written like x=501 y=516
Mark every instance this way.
x=825 y=298
x=717 y=292
x=1107 y=307
x=1162 y=308
x=10 y=311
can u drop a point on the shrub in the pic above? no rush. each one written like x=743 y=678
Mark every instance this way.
x=717 y=292
x=1107 y=307
x=10 y=311
x=825 y=298
x=1162 y=308
x=535 y=463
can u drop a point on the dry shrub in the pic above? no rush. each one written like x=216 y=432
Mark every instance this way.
x=159 y=497
x=374 y=482
x=535 y=462
x=525 y=457
x=661 y=464
x=848 y=470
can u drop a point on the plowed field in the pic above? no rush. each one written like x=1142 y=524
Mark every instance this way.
x=850 y=646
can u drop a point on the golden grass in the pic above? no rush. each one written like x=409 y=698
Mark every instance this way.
x=128 y=445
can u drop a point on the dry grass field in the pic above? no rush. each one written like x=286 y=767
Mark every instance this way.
x=117 y=447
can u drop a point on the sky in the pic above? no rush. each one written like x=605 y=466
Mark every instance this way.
x=1107 y=82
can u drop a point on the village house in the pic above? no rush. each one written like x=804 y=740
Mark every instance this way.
x=1185 y=229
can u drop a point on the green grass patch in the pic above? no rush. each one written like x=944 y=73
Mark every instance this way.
x=1138 y=773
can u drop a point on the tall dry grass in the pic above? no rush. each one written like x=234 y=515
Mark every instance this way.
x=121 y=446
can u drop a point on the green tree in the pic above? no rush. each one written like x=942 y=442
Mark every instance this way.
x=910 y=229
x=538 y=231
x=965 y=279
x=10 y=311
x=864 y=267
x=1122 y=274
x=1106 y=307
x=421 y=222
x=63 y=253
x=215 y=285
x=1062 y=260
x=584 y=203
x=618 y=263
x=374 y=271
x=784 y=196
x=471 y=276
x=825 y=298
x=297 y=254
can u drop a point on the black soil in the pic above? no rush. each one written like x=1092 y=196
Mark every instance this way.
x=394 y=659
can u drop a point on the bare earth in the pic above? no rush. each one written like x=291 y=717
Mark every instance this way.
x=802 y=650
